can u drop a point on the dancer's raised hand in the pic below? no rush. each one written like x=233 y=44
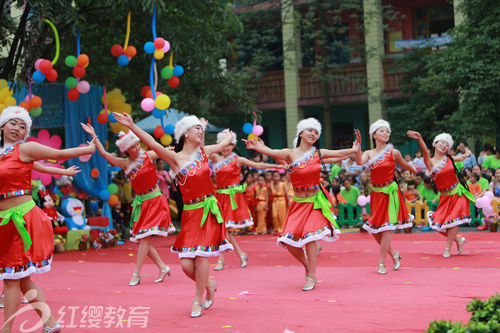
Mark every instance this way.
x=124 y=118
x=72 y=170
x=358 y=136
x=89 y=129
x=204 y=122
x=254 y=143
x=414 y=135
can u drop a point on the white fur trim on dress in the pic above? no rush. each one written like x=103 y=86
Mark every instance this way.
x=392 y=227
x=28 y=272
x=222 y=135
x=379 y=123
x=184 y=125
x=325 y=235
x=135 y=238
x=309 y=123
x=303 y=156
x=135 y=162
x=16 y=112
x=191 y=159
x=380 y=153
x=223 y=249
x=443 y=137
x=219 y=164
x=126 y=140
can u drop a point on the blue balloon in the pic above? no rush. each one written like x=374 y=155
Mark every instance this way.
x=247 y=128
x=169 y=129
x=38 y=77
x=111 y=118
x=123 y=60
x=157 y=113
x=104 y=195
x=149 y=47
x=178 y=70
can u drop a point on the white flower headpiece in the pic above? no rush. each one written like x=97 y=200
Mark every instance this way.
x=16 y=112
x=309 y=123
x=125 y=141
x=379 y=123
x=184 y=125
x=443 y=137
x=222 y=135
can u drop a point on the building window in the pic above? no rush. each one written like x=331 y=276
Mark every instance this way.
x=433 y=20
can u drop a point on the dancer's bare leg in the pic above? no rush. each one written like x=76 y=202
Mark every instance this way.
x=37 y=297
x=12 y=291
x=142 y=253
x=198 y=270
x=312 y=258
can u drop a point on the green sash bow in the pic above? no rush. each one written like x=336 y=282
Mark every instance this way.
x=232 y=192
x=208 y=205
x=392 y=192
x=320 y=202
x=136 y=205
x=16 y=214
x=461 y=191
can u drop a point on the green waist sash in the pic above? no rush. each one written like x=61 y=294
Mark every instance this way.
x=392 y=192
x=16 y=214
x=232 y=192
x=461 y=191
x=320 y=202
x=136 y=205
x=208 y=205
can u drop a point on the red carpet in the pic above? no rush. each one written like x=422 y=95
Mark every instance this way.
x=266 y=296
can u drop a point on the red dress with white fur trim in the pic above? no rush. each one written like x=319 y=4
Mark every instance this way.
x=196 y=186
x=154 y=218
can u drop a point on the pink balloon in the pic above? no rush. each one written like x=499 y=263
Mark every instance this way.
x=258 y=130
x=83 y=87
x=166 y=47
x=488 y=210
x=481 y=203
x=368 y=198
x=28 y=97
x=148 y=104
x=362 y=200
x=37 y=64
x=489 y=195
x=84 y=158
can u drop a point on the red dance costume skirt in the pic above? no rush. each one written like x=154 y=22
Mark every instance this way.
x=452 y=211
x=238 y=218
x=379 y=220
x=154 y=219
x=195 y=241
x=304 y=224
x=14 y=262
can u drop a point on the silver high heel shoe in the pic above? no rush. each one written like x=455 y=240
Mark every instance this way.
x=163 y=274
x=136 y=282
x=219 y=268
x=195 y=314
x=209 y=303
x=57 y=328
x=446 y=255
x=397 y=263
x=307 y=288
x=381 y=269
x=244 y=259
x=461 y=245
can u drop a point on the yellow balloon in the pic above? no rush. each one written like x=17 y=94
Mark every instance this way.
x=10 y=101
x=2 y=106
x=117 y=127
x=166 y=139
x=252 y=136
x=7 y=91
x=162 y=102
x=3 y=84
x=126 y=108
x=159 y=54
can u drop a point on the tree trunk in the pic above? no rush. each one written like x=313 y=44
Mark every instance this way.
x=327 y=119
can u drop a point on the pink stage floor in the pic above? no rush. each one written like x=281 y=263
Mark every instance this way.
x=91 y=287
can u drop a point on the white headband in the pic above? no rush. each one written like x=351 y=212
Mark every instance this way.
x=379 y=123
x=125 y=141
x=443 y=137
x=309 y=123
x=222 y=135
x=184 y=125
x=16 y=112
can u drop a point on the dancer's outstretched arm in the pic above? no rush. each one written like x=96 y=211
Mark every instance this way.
x=425 y=152
x=116 y=161
x=71 y=171
x=213 y=149
x=241 y=161
x=401 y=161
x=277 y=154
x=329 y=153
x=33 y=151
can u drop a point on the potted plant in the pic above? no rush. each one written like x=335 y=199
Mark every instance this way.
x=59 y=242
x=492 y=222
x=106 y=238
x=82 y=241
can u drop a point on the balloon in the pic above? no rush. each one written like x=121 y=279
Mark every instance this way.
x=166 y=47
x=94 y=173
x=36 y=102
x=102 y=118
x=159 y=43
x=159 y=54
x=38 y=77
x=123 y=60
x=37 y=64
x=174 y=81
x=45 y=66
x=130 y=51
x=71 y=61
x=247 y=128
x=148 y=104
x=52 y=75
x=166 y=140
x=252 y=136
x=10 y=101
x=158 y=132
x=481 y=203
x=258 y=130
x=73 y=94
x=26 y=105
x=70 y=82
x=362 y=200
x=28 y=97
x=162 y=102
x=488 y=210
x=113 y=200
x=111 y=118
x=83 y=87
x=117 y=50
x=84 y=158
x=112 y=188
x=35 y=112
x=169 y=129
x=82 y=59
x=167 y=73
x=79 y=71
x=144 y=91
x=368 y=198
x=489 y=195
x=178 y=70
x=149 y=47
x=158 y=114
x=104 y=195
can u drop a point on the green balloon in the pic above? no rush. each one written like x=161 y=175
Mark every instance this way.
x=35 y=112
x=70 y=61
x=112 y=188
x=71 y=82
x=167 y=73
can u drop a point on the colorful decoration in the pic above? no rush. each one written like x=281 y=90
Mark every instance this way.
x=79 y=63
x=72 y=210
x=45 y=68
x=6 y=98
x=125 y=53
x=113 y=101
x=253 y=131
x=55 y=142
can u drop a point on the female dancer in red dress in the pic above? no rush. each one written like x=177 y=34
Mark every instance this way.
x=387 y=204
x=26 y=237
x=230 y=193
x=310 y=216
x=453 y=208
x=203 y=233
x=151 y=212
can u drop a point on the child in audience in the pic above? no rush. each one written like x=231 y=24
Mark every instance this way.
x=280 y=197
x=261 y=194
x=411 y=193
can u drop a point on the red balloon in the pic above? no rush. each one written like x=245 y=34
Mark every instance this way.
x=52 y=76
x=45 y=66
x=117 y=50
x=174 y=81
x=159 y=43
x=79 y=71
x=145 y=90
x=94 y=173
x=73 y=94
x=102 y=118
x=158 y=132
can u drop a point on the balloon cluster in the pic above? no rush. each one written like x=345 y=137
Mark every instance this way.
x=75 y=86
x=485 y=203
x=363 y=200
x=149 y=103
x=44 y=70
x=33 y=104
x=164 y=133
x=6 y=98
x=124 y=55
x=172 y=75
x=109 y=193
x=158 y=48
x=115 y=102
x=253 y=131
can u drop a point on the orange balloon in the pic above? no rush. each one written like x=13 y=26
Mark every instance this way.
x=36 y=102
x=113 y=200
x=26 y=105
x=94 y=173
x=83 y=59
x=130 y=51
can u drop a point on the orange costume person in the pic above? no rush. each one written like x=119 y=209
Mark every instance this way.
x=203 y=232
x=250 y=199
x=279 y=208
x=230 y=194
x=262 y=204
x=387 y=203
